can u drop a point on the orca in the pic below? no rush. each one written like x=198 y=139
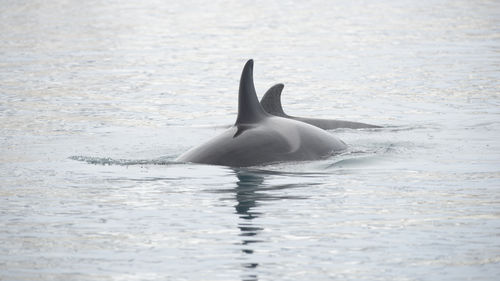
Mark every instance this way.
x=258 y=137
x=271 y=102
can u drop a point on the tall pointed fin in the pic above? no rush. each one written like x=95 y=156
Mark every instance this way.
x=271 y=101
x=249 y=108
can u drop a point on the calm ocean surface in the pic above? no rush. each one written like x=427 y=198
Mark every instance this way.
x=97 y=98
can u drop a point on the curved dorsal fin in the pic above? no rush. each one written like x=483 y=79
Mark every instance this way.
x=249 y=108
x=271 y=101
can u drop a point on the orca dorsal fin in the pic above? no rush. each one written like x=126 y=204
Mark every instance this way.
x=249 y=108
x=271 y=101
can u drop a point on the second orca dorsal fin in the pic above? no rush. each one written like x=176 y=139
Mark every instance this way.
x=271 y=101
x=249 y=108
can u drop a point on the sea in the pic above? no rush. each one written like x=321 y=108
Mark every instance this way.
x=98 y=99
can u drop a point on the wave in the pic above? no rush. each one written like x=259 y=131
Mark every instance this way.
x=122 y=162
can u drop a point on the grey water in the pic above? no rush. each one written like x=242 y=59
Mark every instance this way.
x=98 y=98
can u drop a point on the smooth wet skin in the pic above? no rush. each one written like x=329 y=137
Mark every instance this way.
x=271 y=102
x=274 y=139
x=258 y=137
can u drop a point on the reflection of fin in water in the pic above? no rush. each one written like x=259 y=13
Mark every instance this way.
x=250 y=190
x=247 y=185
x=245 y=194
x=246 y=197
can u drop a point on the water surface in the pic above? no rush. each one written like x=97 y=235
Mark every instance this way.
x=99 y=97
